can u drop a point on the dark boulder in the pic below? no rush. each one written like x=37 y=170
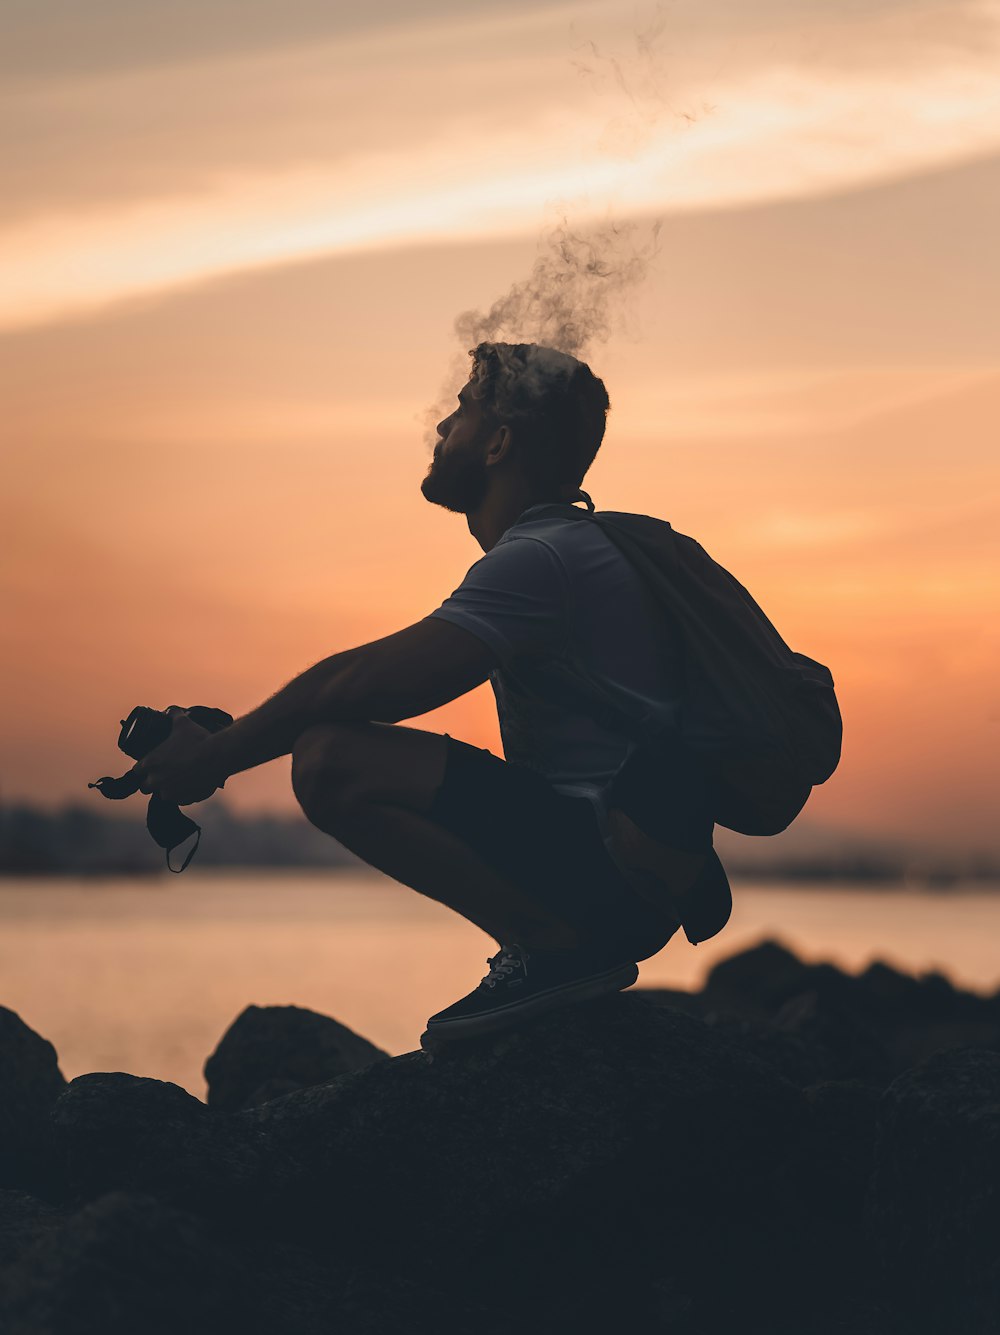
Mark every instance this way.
x=891 y=995
x=845 y=1114
x=617 y=1157
x=788 y=1055
x=845 y=1047
x=691 y=1003
x=840 y=1167
x=758 y=981
x=124 y=1265
x=918 y=1017
x=934 y=1209
x=271 y=1050
x=22 y=1220
x=594 y=1152
x=113 y=1131
x=30 y=1082
x=811 y=1038
x=869 y=1026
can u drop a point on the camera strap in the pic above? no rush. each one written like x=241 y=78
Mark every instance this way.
x=165 y=822
x=169 y=827
x=141 y=732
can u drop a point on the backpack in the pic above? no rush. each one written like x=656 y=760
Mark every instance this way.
x=759 y=723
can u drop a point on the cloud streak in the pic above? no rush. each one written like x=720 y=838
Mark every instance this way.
x=778 y=131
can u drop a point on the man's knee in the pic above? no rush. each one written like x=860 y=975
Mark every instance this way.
x=340 y=768
x=326 y=770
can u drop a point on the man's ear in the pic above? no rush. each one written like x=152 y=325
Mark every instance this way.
x=499 y=446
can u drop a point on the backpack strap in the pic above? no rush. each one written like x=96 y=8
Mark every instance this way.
x=617 y=705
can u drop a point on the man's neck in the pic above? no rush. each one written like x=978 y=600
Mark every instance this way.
x=494 y=517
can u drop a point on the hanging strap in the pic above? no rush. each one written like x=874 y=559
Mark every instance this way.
x=165 y=821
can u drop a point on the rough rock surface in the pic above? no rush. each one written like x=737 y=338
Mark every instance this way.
x=813 y=1037
x=934 y=1210
x=113 y=1131
x=815 y=1022
x=30 y=1081
x=271 y=1050
x=23 y=1219
x=126 y=1264
x=615 y=1101
x=683 y=1164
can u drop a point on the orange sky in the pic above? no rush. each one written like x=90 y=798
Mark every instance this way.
x=229 y=269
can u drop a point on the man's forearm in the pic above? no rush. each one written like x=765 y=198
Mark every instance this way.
x=398 y=677
x=272 y=729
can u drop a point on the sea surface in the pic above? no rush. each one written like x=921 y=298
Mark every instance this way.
x=145 y=975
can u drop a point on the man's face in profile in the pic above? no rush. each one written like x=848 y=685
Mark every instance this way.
x=456 y=478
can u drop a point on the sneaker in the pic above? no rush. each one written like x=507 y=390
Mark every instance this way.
x=522 y=983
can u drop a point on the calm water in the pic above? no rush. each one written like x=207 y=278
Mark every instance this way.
x=146 y=975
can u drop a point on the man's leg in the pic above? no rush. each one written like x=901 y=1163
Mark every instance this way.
x=372 y=786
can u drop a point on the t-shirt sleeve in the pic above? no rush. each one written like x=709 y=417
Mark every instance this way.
x=514 y=599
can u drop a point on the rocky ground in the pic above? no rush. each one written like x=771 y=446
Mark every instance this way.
x=791 y=1151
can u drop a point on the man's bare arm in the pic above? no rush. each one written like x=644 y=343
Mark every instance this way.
x=398 y=677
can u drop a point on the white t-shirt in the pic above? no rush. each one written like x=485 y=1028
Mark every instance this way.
x=558 y=603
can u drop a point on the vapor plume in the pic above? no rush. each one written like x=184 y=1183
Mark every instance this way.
x=643 y=79
x=577 y=293
x=578 y=289
x=574 y=295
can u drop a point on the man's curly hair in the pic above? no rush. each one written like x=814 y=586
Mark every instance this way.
x=554 y=404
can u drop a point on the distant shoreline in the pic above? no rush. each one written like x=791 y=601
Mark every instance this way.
x=775 y=878
x=83 y=841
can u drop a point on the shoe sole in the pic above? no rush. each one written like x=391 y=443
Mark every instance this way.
x=598 y=985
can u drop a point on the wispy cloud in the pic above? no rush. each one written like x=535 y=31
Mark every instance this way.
x=774 y=130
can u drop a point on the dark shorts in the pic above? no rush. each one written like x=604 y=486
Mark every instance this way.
x=550 y=846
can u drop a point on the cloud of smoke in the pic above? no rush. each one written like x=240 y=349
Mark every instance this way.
x=643 y=79
x=573 y=295
x=577 y=292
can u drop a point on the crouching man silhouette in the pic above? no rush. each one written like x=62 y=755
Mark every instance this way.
x=535 y=849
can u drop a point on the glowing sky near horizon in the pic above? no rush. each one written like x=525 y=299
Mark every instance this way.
x=233 y=239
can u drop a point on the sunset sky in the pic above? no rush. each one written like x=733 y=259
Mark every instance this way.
x=234 y=238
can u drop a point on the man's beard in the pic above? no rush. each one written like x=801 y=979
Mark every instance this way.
x=457 y=482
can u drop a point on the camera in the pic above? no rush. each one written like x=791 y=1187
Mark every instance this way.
x=143 y=731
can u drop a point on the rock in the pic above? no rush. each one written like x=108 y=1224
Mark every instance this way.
x=918 y=1017
x=891 y=995
x=30 y=1082
x=845 y=1112
x=691 y=1003
x=589 y=1152
x=811 y=1038
x=128 y=1265
x=22 y=1220
x=898 y=1020
x=841 y=1164
x=271 y=1050
x=683 y=1163
x=788 y=1054
x=617 y=1157
x=934 y=1210
x=114 y=1131
x=756 y=982
x=846 y=1048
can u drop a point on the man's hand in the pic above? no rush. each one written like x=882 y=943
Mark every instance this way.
x=177 y=769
